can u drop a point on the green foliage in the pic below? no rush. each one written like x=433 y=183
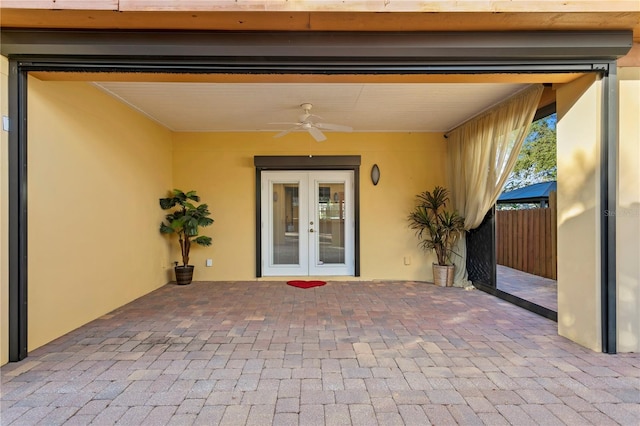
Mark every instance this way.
x=539 y=151
x=537 y=161
x=185 y=220
x=436 y=228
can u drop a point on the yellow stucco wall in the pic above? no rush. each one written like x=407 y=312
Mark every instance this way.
x=85 y=149
x=96 y=168
x=579 y=210
x=578 y=134
x=4 y=238
x=628 y=213
x=88 y=152
x=220 y=167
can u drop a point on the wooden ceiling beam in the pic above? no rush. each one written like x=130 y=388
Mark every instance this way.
x=492 y=6
x=320 y=21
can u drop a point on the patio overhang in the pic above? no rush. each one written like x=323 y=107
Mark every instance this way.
x=317 y=52
x=301 y=53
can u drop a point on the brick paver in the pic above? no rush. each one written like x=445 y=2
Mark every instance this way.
x=260 y=353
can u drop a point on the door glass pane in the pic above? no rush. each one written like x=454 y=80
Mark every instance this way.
x=330 y=216
x=285 y=224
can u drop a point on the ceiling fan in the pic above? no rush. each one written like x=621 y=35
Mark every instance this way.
x=315 y=129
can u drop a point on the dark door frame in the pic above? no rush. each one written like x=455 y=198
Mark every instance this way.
x=303 y=53
x=308 y=163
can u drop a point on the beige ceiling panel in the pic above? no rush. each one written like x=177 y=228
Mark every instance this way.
x=367 y=107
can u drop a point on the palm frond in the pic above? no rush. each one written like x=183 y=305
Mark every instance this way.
x=202 y=240
x=436 y=228
x=167 y=203
x=192 y=196
x=166 y=229
x=185 y=220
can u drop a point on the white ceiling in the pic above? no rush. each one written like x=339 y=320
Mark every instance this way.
x=367 y=107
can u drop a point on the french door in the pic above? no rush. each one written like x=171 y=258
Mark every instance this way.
x=307 y=223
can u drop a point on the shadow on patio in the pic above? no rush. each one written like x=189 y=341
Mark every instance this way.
x=347 y=353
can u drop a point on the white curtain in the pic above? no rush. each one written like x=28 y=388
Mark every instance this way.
x=481 y=154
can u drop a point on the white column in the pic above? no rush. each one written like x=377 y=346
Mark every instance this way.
x=628 y=213
x=579 y=137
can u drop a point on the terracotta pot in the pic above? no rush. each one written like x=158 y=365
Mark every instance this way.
x=184 y=274
x=443 y=275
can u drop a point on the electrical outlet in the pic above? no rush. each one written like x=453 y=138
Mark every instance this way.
x=209 y=262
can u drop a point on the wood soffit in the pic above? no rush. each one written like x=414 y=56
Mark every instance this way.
x=132 y=15
x=334 y=5
x=328 y=15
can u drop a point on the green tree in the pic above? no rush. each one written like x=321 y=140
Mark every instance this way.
x=537 y=161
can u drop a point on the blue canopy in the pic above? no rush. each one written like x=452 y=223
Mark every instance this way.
x=529 y=194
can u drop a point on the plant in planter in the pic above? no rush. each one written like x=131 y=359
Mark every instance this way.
x=185 y=220
x=438 y=230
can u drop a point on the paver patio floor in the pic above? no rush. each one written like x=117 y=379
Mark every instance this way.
x=360 y=353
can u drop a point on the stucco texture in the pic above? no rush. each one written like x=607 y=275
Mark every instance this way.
x=96 y=168
x=220 y=167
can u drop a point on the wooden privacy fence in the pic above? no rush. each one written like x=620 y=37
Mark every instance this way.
x=526 y=239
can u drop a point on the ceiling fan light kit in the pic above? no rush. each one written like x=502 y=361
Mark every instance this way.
x=314 y=129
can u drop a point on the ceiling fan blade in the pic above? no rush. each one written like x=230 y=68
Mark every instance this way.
x=334 y=127
x=279 y=135
x=317 y=134
x=305 y=123
x=284 y=132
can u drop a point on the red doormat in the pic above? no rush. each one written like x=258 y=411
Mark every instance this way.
x=306 y=284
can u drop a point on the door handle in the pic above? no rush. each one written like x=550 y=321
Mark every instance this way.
x=311 y=230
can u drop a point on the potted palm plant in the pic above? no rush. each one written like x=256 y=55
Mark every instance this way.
x=185 y=220
x=438 y=230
